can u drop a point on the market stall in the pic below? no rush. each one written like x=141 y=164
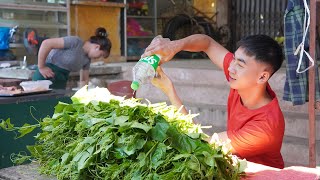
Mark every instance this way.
x=254 y=171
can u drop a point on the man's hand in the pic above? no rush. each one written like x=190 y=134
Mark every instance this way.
x=162 y=81
x=46 y=72
x=161 y=46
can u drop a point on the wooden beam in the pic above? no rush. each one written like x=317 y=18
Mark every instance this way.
x=93 y=3
x=33 y=7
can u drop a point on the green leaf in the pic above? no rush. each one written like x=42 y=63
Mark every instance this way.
x=96 y=105
x=26 y=129
x=104 y=145
x=88 y=140
x=194 y=135
x=120 y=153
x=60 y=107
x=120 y=120
x=110 y=120
x=194 y=164
x=77 y=157
x=104 y=151
x=142 y=159
x=96 y=120
x=179 y=166
x=70 y=108
x=180 y=156
x=138 y=143
x=142 y=126
x=64 y=158
x=6 y=125
x=208 y=159
x=218 y=156
x=158 y=132
x=19 y=158
x=35 y=150
x=48 y=128
x=157 y=155
x=153 y=176
x=120 y=169
x=132 y=144
x=137 y=176
x=83 y=160
x=181 y=142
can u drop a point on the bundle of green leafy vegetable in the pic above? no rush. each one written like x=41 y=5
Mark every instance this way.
x=101 y=136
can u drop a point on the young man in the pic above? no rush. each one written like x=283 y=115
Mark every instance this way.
x=255 y=122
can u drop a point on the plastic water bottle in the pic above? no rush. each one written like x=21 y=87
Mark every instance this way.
x=144 y=70
x=24 y=63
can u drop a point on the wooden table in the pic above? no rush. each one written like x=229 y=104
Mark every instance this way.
x=254 y=172
x=261 y=172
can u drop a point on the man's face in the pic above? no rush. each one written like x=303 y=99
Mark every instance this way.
x=244 y=71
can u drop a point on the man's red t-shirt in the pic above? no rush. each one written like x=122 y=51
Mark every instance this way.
x=256 y=135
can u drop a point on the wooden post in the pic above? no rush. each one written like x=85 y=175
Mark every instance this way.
x=311 y=105
x=68 y=17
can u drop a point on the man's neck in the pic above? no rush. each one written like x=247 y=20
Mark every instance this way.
x=254 y=98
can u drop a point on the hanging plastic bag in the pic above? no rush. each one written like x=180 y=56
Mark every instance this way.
x=4 y=38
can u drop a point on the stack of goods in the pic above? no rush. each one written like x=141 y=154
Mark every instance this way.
x=9 y=90
x=101 y=136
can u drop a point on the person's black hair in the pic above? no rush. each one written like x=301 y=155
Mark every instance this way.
x=101 y=38
x=264 y=49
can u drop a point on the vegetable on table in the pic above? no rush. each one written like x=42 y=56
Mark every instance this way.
x=101 y=136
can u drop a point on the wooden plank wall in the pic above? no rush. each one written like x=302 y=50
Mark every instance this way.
x=85 y=19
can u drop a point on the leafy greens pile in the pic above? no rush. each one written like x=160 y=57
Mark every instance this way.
x=101 y=136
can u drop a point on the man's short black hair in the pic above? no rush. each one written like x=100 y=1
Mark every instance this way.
x=264 y=49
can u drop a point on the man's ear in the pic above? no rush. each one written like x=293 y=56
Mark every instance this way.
x=264 y=77
x=97 y=47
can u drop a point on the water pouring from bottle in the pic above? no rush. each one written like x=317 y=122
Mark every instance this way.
x=144 y=71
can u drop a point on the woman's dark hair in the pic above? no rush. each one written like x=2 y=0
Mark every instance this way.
x=101 y=38
x=264 y=49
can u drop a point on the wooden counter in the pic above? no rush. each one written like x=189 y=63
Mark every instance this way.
x=102 y=72
x=54 y=94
